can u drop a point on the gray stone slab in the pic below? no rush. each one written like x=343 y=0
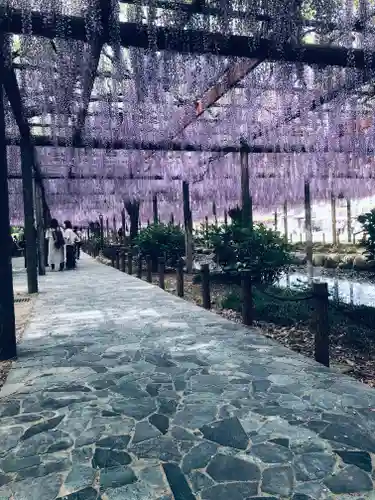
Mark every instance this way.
x=116 y=377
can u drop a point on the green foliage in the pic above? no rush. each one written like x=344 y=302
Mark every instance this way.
x=161 y=240
x=367 y=221
x=260 y=250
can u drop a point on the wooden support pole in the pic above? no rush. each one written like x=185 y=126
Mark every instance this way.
x=285 y=209
x=101 y=232
x=161 y=268
x=206 y=295
x=39 y=229
x=188 y=222
x=214 y=212
x=247 y=298
x=275 y=220
x=246 y=202
x=123 y=226
x=333 y=219
x=139 y=266
x=180 y=278
x=155 y=214
x=321 y=323
x=107 y=227
x=149 y=268
x=117 y=259
x=122 y=261
x=172 y=219
x=225 y=218
x=114 y=228
x=349 y=219
x=8 y=349
x=291 y=237
x=206 y=226
x=27 y=159
x=324 y=238
x=130 y=261
x=308 y=231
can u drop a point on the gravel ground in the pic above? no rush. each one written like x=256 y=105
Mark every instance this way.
x=22 y=312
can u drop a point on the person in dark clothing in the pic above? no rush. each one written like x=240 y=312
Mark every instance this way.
x=70 y=245
x=78 y=243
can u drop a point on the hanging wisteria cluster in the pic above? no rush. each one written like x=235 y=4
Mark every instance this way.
x=300 y=121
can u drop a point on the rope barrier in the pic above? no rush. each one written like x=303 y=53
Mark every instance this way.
x=285 y=299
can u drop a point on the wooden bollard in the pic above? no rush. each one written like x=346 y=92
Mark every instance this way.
x=324 y=238
x=130 y=262
x=122 y=261
x=321 y=323
x=161 y=268
x=139 y=267
x=180 y=278
x=117 y=260
x=206 y=296
x=247 y=298
x=149 y=269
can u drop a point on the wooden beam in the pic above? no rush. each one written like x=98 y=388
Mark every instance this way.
x=8 y=349
x=308 y=230
x=188 y=41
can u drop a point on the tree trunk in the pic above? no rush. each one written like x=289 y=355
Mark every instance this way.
x=132 y=207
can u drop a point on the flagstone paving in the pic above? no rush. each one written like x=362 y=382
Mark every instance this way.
x=122 y=391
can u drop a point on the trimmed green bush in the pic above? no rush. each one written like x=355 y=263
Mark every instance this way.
x=161 y=240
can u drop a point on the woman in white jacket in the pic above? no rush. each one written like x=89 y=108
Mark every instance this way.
x=56 y=243
x=70 y=242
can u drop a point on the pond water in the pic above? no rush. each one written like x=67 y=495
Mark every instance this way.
x=346 y=289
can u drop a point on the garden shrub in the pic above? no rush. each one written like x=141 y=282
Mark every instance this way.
x=261 y=250
x=161 y=240
x=367 y=221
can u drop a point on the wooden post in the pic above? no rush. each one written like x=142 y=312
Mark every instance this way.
x=206 y=226
x=101 y=232
x=171 y=219
x=27 y=161
x=321 y=323
x=117 y=259
x=107 y=227
x=161 y=265
x=291 y=237
x=206 y=295
x=155 y=209
x=324 y=238
x=308 y=230
x=247 y=298
x=188 y=222
x=122 y=261
x=353 y=239
x=123 y=226
x=214 y=212
x=285 y=207
x=351 y=293
x=247 y=215
x=149 y=269
x=114 y=228
x=139 y=266
x=275 y=220
x=180 y=278
x=333 y=219
x=130 y=261
x=39 y=229
x=8 y=349
x=225 y=218
x=349 y=219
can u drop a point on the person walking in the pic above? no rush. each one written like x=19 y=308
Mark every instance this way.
x=78 y=243
x=70 y=245
x=56 y=243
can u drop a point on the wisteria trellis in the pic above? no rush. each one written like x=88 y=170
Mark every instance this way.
x=144 y=95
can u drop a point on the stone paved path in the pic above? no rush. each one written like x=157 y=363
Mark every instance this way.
x=123 y=392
